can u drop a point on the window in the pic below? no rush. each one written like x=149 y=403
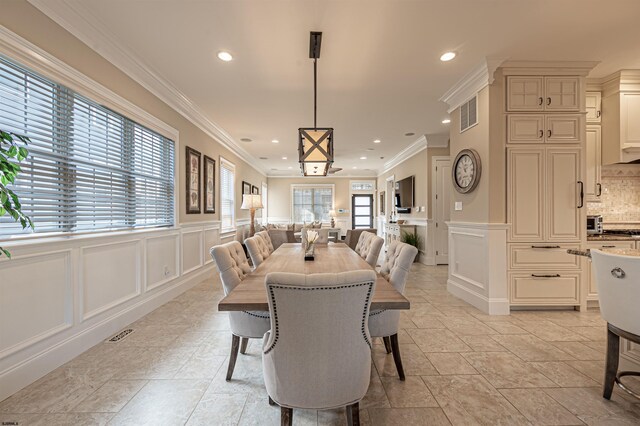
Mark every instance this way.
x=264 y=203
x=311 y=203
x=362 y=186
x=227 y=201
x=89 y=168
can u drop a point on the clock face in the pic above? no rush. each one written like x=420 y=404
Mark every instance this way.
x=466 y=171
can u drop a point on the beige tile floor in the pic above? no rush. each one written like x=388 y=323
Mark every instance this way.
x=463 y=368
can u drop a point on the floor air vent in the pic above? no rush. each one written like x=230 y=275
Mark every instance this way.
x=121 y=335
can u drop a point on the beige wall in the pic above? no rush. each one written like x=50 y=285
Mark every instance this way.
x=28 y=22
x=280 y=194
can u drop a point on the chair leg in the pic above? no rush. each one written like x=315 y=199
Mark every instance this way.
x=395 y=348
x=611 y=368
x=235 y=345
x=387 y=344
x=353 y=414
x=286 y=416
x=243 y=345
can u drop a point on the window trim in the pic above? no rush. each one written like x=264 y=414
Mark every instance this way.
x=229 y=165
x=265 y=206
x=311 y=185
x=31 y=56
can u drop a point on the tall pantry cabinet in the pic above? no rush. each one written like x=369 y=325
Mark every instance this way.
x=545 y=114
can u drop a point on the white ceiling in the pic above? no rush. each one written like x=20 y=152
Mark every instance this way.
x=379 y=73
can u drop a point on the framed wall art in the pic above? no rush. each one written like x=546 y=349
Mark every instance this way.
x=209 y=185
x=193 y=181
x=255 y=190
x=246 y=188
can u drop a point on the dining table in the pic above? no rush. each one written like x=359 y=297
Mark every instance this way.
x=251 y=293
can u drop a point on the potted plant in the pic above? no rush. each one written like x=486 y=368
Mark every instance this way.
x=12 y=151
x=412 y=239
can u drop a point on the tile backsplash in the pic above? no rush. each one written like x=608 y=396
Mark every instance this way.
x=620 y=197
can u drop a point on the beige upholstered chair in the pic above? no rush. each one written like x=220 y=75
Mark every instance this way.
x=318 y=354
x=353 y=235
x=281 y=236
x=234 y=267
x=369 y=247
x=258 y=250
x=323 y=235
x=618 y=283
x=267 y=240
x=384 y=323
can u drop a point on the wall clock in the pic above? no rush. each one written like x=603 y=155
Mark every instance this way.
x=466 y=171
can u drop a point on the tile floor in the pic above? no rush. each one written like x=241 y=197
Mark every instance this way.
x=463 y=368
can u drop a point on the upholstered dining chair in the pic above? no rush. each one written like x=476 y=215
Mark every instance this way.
x=234 y=267
x=323 y=235
x=369 y=248
x=384 y=323
x=318 y=352
x=618 y=283
x=353 y=235
x=267 y=240
x=258 y=250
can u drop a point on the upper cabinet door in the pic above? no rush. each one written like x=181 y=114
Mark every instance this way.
x=525 y=93
x=525 y=192
x=562 y=94
x=592 y=185
x=593 y=101
x=525 y=128
x=564 y=128
x=563 y=194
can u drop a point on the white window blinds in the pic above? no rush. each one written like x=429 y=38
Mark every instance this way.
x=89 y=168
x=227 y=201
x=312 y=203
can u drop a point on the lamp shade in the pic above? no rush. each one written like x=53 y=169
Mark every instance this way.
x=332 y=212
x=251 y=201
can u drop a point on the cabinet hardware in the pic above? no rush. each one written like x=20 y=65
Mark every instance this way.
x=598 y=114
x=540 y=100
x=545 y=247
x=541 y=134
x=545 y=275
x=581 y=194
x=549 y=101
x=549 y=133
x=599 y=186
x=608 y=246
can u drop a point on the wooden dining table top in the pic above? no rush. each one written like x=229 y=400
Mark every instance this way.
x=251 y=293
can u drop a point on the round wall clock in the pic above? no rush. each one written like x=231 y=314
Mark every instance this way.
x=466 y=171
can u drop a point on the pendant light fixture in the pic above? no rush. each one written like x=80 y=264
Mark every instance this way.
x=315 y=147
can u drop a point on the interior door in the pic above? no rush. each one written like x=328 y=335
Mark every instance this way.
x=442 y=210
x=362 y=211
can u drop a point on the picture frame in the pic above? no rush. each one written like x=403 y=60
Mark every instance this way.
x=246 y=188
x=193 y=180
x=255 y=190
x=209 y=185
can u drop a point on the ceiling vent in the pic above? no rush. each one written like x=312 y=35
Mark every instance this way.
x=469 y=114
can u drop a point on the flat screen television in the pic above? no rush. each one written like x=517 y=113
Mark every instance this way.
x=404 y=190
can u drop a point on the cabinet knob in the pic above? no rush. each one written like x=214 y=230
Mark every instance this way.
x=540 y=100
x=549 y=133
x=541 y=133
x=549 y=101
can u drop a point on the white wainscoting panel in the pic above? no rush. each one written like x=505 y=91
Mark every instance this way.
x=36 y=299
x=110 y=275
x=478 y=265
x=211 y=238
x=162 y=260
x=192 y=249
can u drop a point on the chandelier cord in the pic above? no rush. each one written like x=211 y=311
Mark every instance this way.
x=315 y=92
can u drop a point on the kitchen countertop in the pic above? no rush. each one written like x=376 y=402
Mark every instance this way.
x=616 y=251
x=613 y=237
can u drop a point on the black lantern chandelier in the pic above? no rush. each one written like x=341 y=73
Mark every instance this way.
x=315 y=147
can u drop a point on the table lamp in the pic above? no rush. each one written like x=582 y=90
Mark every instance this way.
x=332 y=213
x=251 y=202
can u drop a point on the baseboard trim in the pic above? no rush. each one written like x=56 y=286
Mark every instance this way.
x=490 y=306
x=31 y=369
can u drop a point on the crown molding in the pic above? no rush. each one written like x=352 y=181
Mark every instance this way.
x=333 y=176
x=84 y=26
x=581 y=68
x=475 y=80
x=405 y=154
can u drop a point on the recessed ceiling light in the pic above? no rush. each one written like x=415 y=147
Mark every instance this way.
x=275 y=141
x=355 y=167
x=245 y=140
x=264 y=158
x=447 y=56
x=409 y=134
x=446 y=121
x=376 y=141
x=284 y=158
x=224 y=56
x=363 y=158
x=289 y=167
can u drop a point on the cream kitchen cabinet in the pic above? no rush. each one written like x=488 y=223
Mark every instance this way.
x=592 y=291
x=544 y=288
x=593 y=101
x=537 y=94
x=544 y=128
x=621 y=117
x=593 y=150
x=395 y=231
x=543 y=189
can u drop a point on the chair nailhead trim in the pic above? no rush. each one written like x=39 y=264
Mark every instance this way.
x=275 y=312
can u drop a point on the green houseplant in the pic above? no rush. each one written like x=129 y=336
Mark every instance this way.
x=12 y=151
x=412 y=239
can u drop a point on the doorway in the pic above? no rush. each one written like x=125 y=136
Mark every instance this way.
x=442 y=206
x=361 y=211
